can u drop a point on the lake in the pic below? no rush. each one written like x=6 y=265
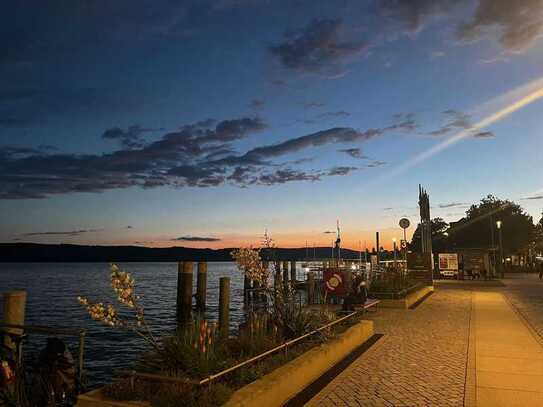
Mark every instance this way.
x=52 y=300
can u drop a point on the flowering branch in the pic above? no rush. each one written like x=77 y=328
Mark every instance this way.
x=123 y=285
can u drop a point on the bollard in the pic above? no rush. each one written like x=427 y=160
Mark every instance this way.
x=224 y=305
x=14 y=314
x=184 y=291
x=293 y=271
x=311 y=287
x=201 y=285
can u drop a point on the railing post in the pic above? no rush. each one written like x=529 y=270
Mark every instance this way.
x=14 y=313
x=224 y=305
x=201 y=286
x=184 y=291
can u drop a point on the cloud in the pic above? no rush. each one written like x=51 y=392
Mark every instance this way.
x=388 y=209
x=195 y=155
x=129 y=138
x=535 y=197
x=437 y=54
x=484 y=134
x=278 y=82
x=129 y=227
x=329 y=232
x=286 y=175
x=452 y=205
x=519 y=23
x=197 y=239
x=320 y=48
x=68 y=233
x=340 y=170
x=354 y=152
x=257 y=104
x=376 y=163
x=410 y=16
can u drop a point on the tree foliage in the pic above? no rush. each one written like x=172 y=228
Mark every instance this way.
x=438 y=227
x=479 y=227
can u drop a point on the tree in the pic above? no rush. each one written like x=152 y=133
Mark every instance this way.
x=478 y=228
x=538 y=236
x=438 y=227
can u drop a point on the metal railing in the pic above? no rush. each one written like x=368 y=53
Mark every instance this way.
x=45 y=330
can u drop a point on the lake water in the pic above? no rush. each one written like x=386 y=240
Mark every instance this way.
x=52 y=300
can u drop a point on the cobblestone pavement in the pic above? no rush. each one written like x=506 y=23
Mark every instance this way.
x=525 y=292
x=420 y=361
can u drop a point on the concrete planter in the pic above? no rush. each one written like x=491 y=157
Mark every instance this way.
x=409 y=299
x=277 y=387
x=95 y=398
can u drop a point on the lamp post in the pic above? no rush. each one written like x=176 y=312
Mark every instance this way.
x=394 y=245
x=499 y=226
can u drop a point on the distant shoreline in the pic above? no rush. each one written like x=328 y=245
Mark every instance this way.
x=69 y=253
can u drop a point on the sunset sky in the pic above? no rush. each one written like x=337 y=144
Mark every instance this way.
x=205 y=123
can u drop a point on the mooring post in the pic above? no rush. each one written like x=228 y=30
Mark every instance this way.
x=14 y=314
x=293 y=271
x=184 y=291
x=311 y=287
x=224 y=305
x=201 y=286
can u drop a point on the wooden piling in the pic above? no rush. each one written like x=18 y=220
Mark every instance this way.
x=311 y=287
x=224 y=305
x=201 y=286
x=184 y=291
x=14 y=314
x=293 y=271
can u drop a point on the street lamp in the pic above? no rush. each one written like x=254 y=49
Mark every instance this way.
x=499 y=226
x=394 y=243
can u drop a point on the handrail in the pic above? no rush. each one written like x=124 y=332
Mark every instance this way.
x=42 y=329
x=45 y=330
x=273 y=350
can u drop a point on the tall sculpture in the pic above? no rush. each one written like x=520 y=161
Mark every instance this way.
x=425 y=223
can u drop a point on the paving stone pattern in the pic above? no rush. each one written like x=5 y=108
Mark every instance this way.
x=420 y=361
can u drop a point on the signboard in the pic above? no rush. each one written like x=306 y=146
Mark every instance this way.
x=404 y=223
x=334 y=281
x=448 y=261
x=403 y=244
x=419 y=266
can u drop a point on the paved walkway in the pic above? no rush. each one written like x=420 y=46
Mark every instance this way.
x=508 y=355
x=466 y=345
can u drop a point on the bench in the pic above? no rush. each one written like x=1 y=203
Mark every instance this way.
x=370 y=303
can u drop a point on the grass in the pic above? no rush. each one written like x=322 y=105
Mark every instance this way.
x=182 y=358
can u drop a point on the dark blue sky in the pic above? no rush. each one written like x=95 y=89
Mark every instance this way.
x=149 y=121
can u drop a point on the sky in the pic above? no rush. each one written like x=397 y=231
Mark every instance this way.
x=206 y=123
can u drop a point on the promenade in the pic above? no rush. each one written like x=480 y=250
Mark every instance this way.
x=469 y=344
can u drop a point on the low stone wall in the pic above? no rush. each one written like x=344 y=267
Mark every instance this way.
x=277 y=387
x=95 y=398
x=409 y=300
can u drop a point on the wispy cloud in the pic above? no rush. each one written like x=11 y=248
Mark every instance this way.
x=66 y=233
x=197 y=239
x=321 y=48
x=452 y=204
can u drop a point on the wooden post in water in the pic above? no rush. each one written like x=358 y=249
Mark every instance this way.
x=293 y=271
x=14 y=314
x=311 y=287
x=184 y=291
x=224 y=305
x=201 y=286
